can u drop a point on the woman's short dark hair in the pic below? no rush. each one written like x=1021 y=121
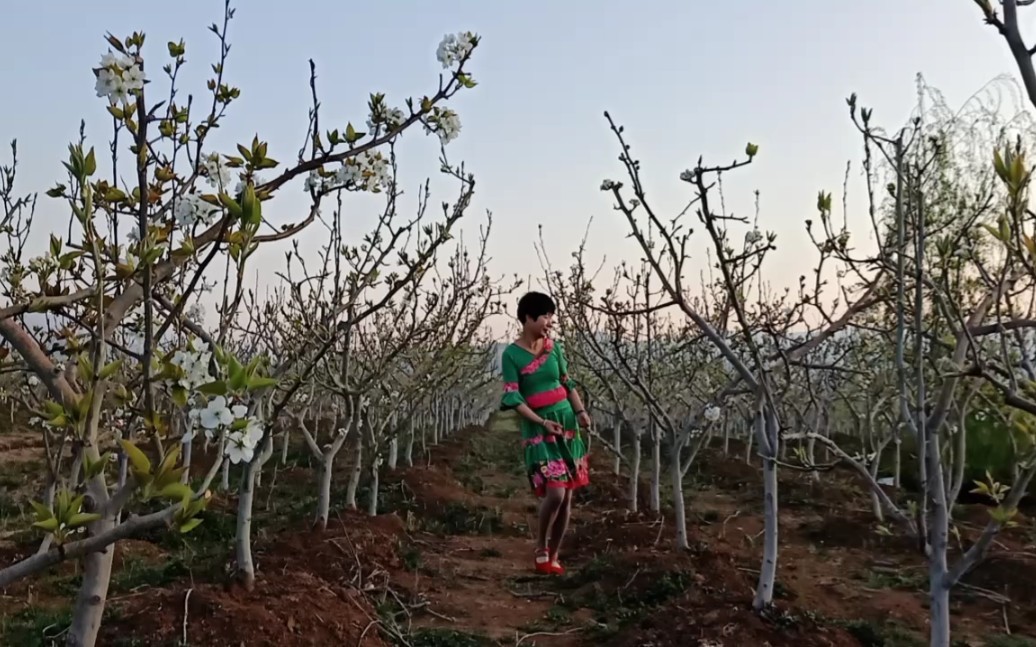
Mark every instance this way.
x=534 y=305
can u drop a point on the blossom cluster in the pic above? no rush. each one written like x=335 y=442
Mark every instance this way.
x=366 y=171
x=243 y=431
x=191 y=210
x=384 y=116
x=215 y=171
x=219 y=415
x=445 y=123
x=455 y=47
x=117 y=77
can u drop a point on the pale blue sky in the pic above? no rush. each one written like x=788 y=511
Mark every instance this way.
x=686 y=78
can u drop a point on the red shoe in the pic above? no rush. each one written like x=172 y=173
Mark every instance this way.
x=556 y=568
x=544 y=565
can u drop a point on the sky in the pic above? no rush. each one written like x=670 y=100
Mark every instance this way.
x=684 y=78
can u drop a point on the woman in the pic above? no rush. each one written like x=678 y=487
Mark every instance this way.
x=536 y=384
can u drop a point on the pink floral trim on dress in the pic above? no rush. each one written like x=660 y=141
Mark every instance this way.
x=510 y=387
x=555 y=474
x=534 y=365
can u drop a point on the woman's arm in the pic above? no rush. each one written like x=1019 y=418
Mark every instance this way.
x=576 y=400
x=530 y=415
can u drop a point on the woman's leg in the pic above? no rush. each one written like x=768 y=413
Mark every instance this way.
x=560 y=526
x=553 y=502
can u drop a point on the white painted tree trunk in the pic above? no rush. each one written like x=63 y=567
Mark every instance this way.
x=617 y=442
x=93 y=592
x=766 y=424
x=656 y=470
x=634 y=484
x=186 y=458
x=393 y=452
x=245 y=505
x=375 y=487
x=408 y=453
x=324 y=493
x=679 y=507
x=355 y=474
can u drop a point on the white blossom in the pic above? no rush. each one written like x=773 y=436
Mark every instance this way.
x=445 y=123
x=390 y=118
x=454 y=47
x=712 y=413
x=216 y=171
x=196 y=312
x=117 y=77
x=191 y=209
x=364 y=172
x=241 y=444
x=195 y=366
x=216 y=414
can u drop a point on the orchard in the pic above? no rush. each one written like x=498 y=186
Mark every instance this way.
x=190 y=456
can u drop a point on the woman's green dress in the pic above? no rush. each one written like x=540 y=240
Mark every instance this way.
x=541 y=381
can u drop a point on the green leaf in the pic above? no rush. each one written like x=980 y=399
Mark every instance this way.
x=176 y=492
x=190 y=525
x=49 y=525
x=169 y=461
x=140 y=462
x=86 y=369
x=179 y=396
x=91 y=163
x=351 y=136
x=219 y=387
x=82 y=518
x=42 y=512
x=261 y=383
x=110 y=369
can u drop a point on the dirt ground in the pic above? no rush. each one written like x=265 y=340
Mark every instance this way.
x=448 y=565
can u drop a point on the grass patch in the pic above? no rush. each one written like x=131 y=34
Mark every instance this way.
x=136 y=573
x=458 y=518
x=897 y=580
x=35 y=627
x=890 y=634
x=448 y=638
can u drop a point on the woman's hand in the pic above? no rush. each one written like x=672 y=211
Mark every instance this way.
x=553 y=428
x=584 y=420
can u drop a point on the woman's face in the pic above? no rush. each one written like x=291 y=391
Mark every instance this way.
x=541 y=326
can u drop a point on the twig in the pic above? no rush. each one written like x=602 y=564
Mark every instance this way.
x=985 y=593
x=661 y=527
x=520 y=640
x=532 y=595
x=186 y=599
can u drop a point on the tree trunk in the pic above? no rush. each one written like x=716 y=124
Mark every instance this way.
x=634 y=485
x=767 y=424
x=679 y=507
x=324 y=495
x=186 y=458
x=617 y=441
x=372 y=501
x=656 y=470
x=245 y=505
x=356 y=473
x=93 y=592
x=393 y=452
x=408 y=453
